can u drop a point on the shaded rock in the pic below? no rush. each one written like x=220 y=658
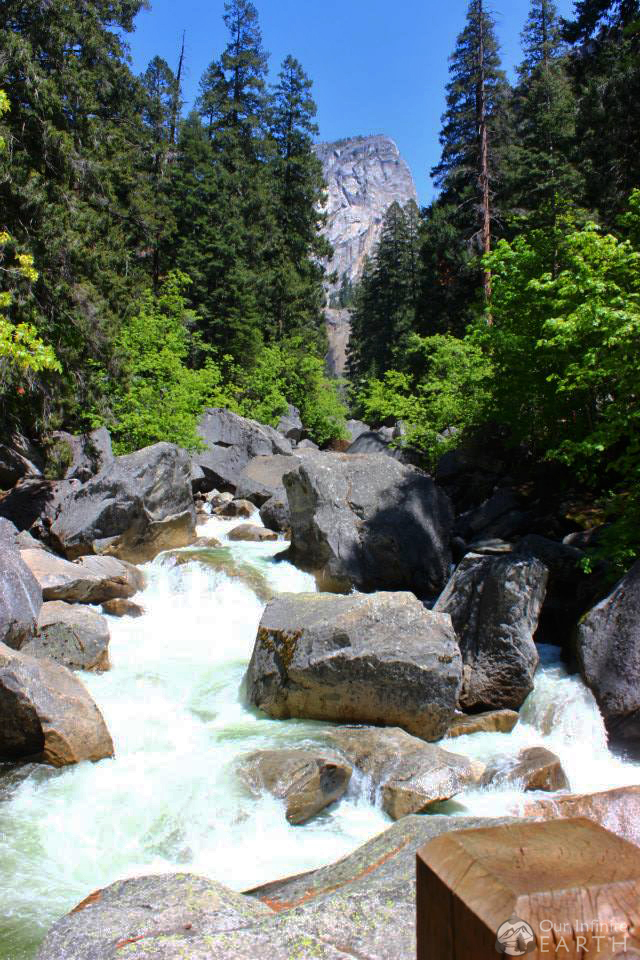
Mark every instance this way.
x=20 y=592
x=308 y=781
x=34 y=504
x=533 y=769
x=486 y=516
x=136 y=507
x=376 y=442
x=261 y=479
x=88 y=580
x=408 y=774
x=122 y=608
x=494 y=721
x=290 y=425
x=251 y=533
x=231 y=442
x=275 y=514
x=73 y=635
x=380 y=659
x=615 y=810
x=45 y=711
x=18 y=460
x=608 y=650
x=235 y=508
x=494 y=604
x=369 y=523
x=141 y=909
x=81 y=457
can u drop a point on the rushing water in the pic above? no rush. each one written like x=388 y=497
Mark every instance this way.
x=170 y=800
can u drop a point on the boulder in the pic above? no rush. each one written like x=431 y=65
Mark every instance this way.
x=369 y=523
x=355 y=429
x=495 y=603
x=73 y=635
x=250 y=533
x=408 y=774
x=275 y=514
x=608 y=649
x=307 y=780
x=231 y=442
x=261 y=479
x=380 y=659
x=81 y=457
x=307 y=446
x=46 y=712
x=494 y=721
x=290 y=425
x=88 y=580
x=484 y=519
x=34 y=504
x=375 y=441
x=18 y=460
x=134 y=508
x=235 y=508
x=533 y=769
x=20 y=592
x=616 y=810
x=122 y=608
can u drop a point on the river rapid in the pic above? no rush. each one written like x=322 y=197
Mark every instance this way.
x=170 y=800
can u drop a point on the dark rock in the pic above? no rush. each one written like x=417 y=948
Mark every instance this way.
x=136 y=507
x=408 y=774
x=122 y=608
x=533 y=769
x=88 y=580
x=290 y=425
x=45 y=711
x=371 y=659
x=20 y=593
x=275 y=514
x=232 y=441
x=235 y=508
x=81 y=457
x=250 y=533
x=476 y=521
x=369 y=523
x=494 y=721
x=376 y=442
x=73 y=635
x=261 y=479
x=307 y=780
x=608 y=649
x=494 y=603
x=34 y=504
x=18 y=460
x=584 y=539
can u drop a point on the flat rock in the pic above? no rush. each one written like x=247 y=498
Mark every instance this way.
x=251 y=533
x=73 y=635
x=370 y=659
x=307 y=781
x=493 y=721
x=369 y=523
x=533 y=769
x=46 y=712
x=494 y=604
x=89 y=580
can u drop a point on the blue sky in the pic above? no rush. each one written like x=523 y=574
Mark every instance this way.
x=377 y=66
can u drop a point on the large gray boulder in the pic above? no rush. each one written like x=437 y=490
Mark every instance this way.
x=291 y=425
x=88 y=580
x=231 y=442
x=71 y=457
x=407 y=774
x=20 y=592
x=46 y=712
x=71 y=634
x=136 y=507
x=262 y=479
x=494 y=603
x=608 y=649
x=369 y=522
x=380 y=659
x=306 y=780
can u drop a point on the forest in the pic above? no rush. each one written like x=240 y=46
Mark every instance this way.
x=154 y=261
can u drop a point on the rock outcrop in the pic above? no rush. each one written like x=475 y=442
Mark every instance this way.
x=368 y=522
x=370 y=659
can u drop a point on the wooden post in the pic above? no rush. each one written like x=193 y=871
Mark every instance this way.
x=565 y=889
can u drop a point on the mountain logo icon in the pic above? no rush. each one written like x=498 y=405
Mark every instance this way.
x=515 y=938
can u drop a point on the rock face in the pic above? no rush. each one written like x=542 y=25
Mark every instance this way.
x=364 y=176
x=18 y=460
x=261 y=479
x=86 y=454
x=608 y=648
x=369 y=523
x=136 y=507
x=231 y=442
x=45 y=711
x=308 y=781
x=533 y=769
x=88 y=580
x=34 y=504
x=20 y=592
x=73 y=635
x=381 y=659
x=494 y=603
x=408 y=774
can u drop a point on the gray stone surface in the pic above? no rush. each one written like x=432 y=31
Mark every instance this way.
x=275 y=514
x=370 y=659
x=261 y=479
x=88 y=580
x=20 y=592
x=369 y=523
x=494 y=603
x=290 y=425
x=231 y=442
x=71 y=634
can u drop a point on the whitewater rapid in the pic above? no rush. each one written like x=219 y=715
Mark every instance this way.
x=170 y=800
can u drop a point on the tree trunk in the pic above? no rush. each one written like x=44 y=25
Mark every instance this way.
x=484 y=152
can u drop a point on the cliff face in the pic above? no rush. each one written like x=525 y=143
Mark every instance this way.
x=364 y=176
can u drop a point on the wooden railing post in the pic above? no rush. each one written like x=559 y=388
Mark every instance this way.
x=563 y=889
